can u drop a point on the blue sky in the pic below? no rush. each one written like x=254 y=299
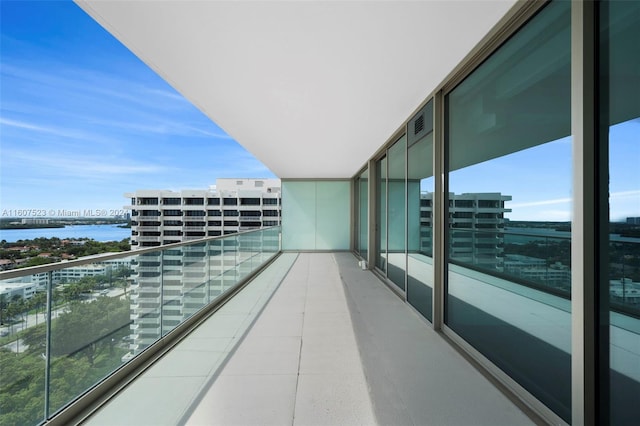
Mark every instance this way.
x=539 y=178
x=82 y=120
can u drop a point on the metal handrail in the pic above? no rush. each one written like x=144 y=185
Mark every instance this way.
x=32 y=270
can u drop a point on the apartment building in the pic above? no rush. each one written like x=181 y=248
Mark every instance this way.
x=165 y=217
x=232 y=205
x=477 y=225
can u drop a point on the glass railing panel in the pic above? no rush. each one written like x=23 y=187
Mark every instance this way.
x=90 y=327
x=22 y=349
x=184 y=284
x=216 y=268
x=146 y=298
x=104 y=313
x=245 y=254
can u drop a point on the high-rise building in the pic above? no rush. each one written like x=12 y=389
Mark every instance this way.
x=166 y=217
x=232 y=205
x=476 y=222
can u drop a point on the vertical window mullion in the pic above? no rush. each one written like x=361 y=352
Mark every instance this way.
x=590 y=340
x=439 y=212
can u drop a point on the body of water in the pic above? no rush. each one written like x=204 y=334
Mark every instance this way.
x=97 y=232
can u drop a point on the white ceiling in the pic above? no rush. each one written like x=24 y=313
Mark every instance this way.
x=311 y=88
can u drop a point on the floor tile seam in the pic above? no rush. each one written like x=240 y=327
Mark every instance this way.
x=201 y=351
x=223 y=374
x=240 y=333
x=273 y=316
x=204 y=378
x=257 y=350
x=173 y=376
x=316 y=347
x=319 y=334
x=297 y=387
x=220 y=373
x=341 y=375
x=334 y=271
x=298 y=336
x=348 y=328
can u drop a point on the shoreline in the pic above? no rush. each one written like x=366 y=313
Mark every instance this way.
x=5 y=227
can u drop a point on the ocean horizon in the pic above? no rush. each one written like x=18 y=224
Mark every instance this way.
x=100 y=233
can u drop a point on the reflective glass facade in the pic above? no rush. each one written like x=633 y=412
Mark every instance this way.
x=420 y=191
x=362 y=214
x=501 y=146
x=499 y=158
x=620 y=140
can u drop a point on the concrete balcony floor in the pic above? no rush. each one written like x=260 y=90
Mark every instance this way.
x=313 y=340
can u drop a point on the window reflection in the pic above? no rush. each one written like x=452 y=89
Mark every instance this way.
x=420 y=188
x=620 y=84
x=509 y=239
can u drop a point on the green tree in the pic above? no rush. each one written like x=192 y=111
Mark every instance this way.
x=37 y=261
x=35 y=338
x=39 y=302
x=22 y=390
x=87 y=327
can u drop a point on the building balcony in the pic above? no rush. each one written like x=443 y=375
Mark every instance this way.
x=495 y=220
x=148 y=269
x=316 y=336
x=148 y=215
x=148 y=238
x=191 y=238
x=146 y=228
x=149 y=300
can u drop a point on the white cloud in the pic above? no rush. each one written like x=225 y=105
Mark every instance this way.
x=625 y=194
x=58 y=131
x=79 y=166
x=540 y=203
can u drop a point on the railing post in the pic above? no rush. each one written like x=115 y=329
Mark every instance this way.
x=47 y=355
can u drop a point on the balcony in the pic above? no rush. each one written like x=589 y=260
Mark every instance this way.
x=192 y=238
x=194 y=228
x=147 y=228
x=148 y=238
x=316 y=336
x=148 y=215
